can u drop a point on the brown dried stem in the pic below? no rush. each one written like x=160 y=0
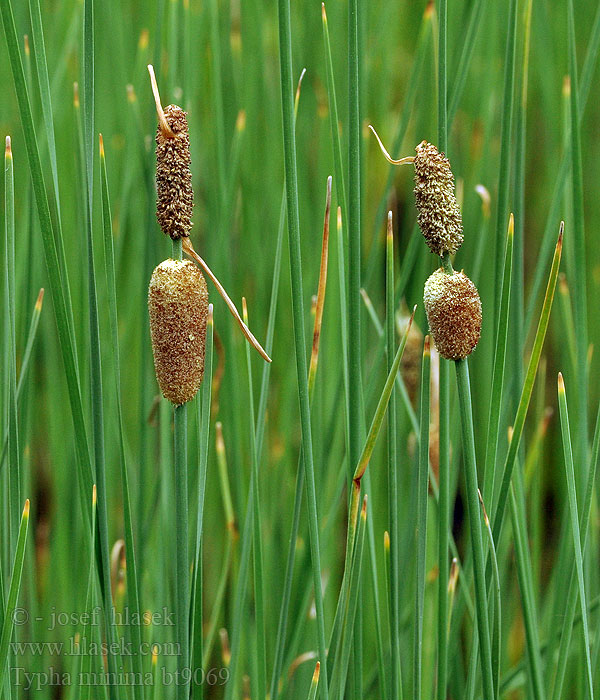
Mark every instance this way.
x=188 y=249
x=388 y=157
x=162 y=120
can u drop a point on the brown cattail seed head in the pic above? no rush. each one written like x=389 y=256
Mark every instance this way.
x=178 y=306
x=439 y=216
x=454 y=313
x=175 y=197
x=413 y=352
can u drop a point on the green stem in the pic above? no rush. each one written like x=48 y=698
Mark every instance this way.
x=182 y=572
x=580 y=286
x=260 y=649
x=493 y=430
x=354 y=232
x=483 y=630
x=444 y=392
x=572 y=596
x=393 y=474
x=574 y=519
x=505 y=150
x=14 y=473
x=132 y=578
x=442 y=78
x=422 y=488
x=291 y=184
x=203 y=406
x=8 y=623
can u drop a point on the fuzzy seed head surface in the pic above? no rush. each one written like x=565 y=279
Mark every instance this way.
x=174 y=193
x=439 y=216
x=453 y=311
x=178 y=307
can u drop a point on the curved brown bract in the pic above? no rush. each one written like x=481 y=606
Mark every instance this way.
x=178 y=307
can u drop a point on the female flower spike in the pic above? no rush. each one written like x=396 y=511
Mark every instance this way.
x=178 y=307
x=175 y=196
x=453 y=311
x=439 y=216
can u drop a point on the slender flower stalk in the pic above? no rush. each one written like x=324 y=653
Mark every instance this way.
x=444 y=393
x=422 y=488
x=393 y=473
x=483 y=630
x=14 y=474
x=574 y=520
x=182 y=569
x=291 y=184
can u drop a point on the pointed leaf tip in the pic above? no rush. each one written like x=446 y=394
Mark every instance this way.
x=26 y=509
x=561 y=384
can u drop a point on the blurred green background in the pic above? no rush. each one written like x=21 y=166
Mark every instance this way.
x=220 y=61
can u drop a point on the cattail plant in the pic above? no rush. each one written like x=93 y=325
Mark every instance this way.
x=178 y=298
x=178 y=307
x=439 y=215
x=454 y=315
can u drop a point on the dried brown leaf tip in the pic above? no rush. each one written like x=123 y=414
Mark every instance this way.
x=178 y=307
x=175 y=196
x=453 y=311
x=439 y=216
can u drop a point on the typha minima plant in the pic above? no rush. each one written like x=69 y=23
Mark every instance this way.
x=175 y=197
x=228 y=65
x=178 y=308
x=454 y=314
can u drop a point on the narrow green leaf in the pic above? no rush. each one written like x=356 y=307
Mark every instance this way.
x=421 y=539
x=8 y=623
x=519 y=422
x=574 y=518
x=134 y=631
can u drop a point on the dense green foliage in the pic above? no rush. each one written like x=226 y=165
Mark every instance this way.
x=80 y=403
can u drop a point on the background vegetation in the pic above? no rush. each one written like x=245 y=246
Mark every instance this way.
x=508 y=132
